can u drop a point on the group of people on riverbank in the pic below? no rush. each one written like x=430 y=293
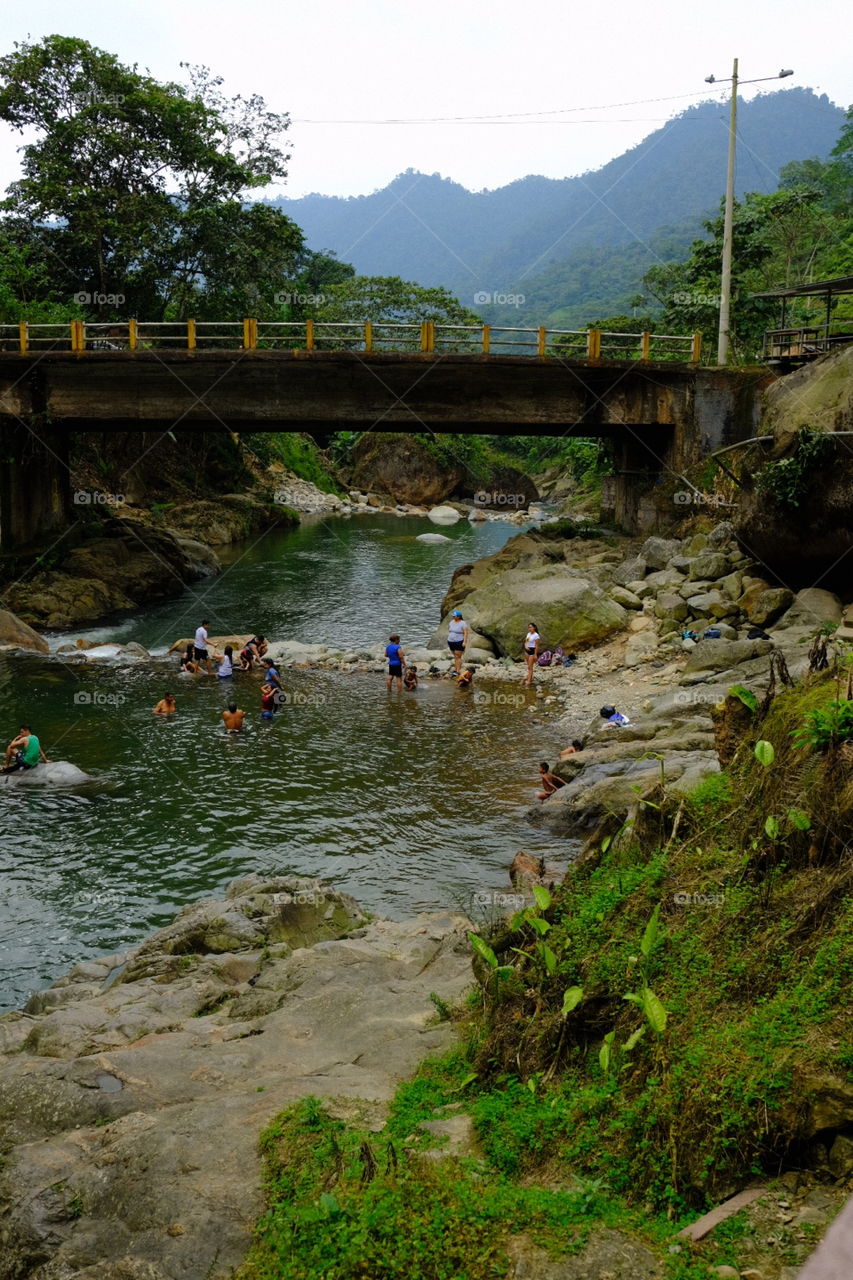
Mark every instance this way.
x=197 y=659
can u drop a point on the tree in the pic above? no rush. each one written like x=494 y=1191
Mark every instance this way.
x=388 y=300
x=135 y=189
x=777 y=239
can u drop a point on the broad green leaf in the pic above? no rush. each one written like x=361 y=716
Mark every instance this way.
x=548 y=958
x=606 y=843
x=572 y=997
x=605 y=1053
x=799 y=820
x=764 y=752
x=483 y=950
x=654 y=1010
x=633 y=1039
x=633 y=997
x=542 y=897
x=653 y=933
x=746 y=696
x=771 y=826
x=541 y=926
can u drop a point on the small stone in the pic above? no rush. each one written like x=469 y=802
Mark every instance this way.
x=725 y=1273
x=176 y=1229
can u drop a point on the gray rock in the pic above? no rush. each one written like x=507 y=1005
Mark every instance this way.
x=769 y=605
x=664 y=578
x=711 y=565
x=658 y=552
x=630 y=571
x=670 y=605
x=731 y=585
x=640 y=647
x=719 y=655
x=722 y=534
x=701 y=605
x=126 y=1152
x=626 y=598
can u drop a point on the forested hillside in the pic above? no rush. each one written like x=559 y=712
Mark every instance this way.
x=574 y=247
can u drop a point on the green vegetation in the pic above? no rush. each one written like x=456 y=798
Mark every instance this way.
x=789 y=480
x=641 y=1041
x=295 y=451
x=803 y=231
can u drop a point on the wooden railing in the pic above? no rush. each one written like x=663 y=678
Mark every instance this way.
x=428 y=337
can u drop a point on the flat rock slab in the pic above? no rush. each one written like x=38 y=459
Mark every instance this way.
x=140 y=1159
x=702 y=1226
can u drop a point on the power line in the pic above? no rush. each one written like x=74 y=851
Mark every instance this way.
x=510 y=116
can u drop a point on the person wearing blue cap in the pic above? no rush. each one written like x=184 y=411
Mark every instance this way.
x=457 y=639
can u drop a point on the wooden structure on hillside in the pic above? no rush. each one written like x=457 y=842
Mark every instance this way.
x=796 y=345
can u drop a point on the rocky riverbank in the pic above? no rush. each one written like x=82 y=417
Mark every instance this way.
x=132 y=1092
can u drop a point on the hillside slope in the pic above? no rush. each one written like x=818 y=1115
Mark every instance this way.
x=517 y=238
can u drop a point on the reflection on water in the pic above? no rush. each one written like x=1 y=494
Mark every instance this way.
x=409 y=803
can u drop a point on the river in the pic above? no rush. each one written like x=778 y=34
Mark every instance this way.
x=409 y=803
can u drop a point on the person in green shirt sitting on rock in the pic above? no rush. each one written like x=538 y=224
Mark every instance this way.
x=23 y=752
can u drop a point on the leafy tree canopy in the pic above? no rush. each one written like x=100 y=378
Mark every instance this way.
x=135 y=189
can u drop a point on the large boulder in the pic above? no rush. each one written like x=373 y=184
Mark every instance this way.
x=405 y=468
x=659 y=552
x=568 y=610
x=18 y=635
x=811 y=540
x=136 y=565
x=127 y=1106
x=710 y=565
x=769 y=605
x=444 y=515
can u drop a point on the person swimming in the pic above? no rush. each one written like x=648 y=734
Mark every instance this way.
x=165 y=706
x=233 y=718
x=572 y=750
x=550 y=782
x=466 y=678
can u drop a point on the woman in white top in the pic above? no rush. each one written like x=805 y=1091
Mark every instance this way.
x=531 y=650
x=226 y=664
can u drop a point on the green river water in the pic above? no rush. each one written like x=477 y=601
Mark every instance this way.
x=409 y=803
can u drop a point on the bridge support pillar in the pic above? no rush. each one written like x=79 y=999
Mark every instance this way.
x=627 y=495
x=34 y=484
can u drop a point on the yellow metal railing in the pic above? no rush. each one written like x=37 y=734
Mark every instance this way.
x=369 y=337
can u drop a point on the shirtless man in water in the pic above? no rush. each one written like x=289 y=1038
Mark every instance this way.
x=233 y=718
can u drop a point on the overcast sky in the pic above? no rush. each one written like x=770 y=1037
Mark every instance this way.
x=338 y=64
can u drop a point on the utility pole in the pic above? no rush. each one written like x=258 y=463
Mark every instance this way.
x=724 y=335
x=723 y=343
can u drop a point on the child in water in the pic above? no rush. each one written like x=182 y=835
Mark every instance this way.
x=550 y=782
x=410 y=679
x=267 y=702
x=466 y=678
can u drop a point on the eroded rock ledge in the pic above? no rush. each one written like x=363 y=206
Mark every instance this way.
x=133 y=1091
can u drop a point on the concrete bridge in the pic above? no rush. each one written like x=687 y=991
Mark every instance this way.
x=662 y=416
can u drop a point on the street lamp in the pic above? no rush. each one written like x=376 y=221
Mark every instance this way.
x=726 y=276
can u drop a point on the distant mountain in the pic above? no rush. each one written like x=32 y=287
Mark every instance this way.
x=571 y=246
